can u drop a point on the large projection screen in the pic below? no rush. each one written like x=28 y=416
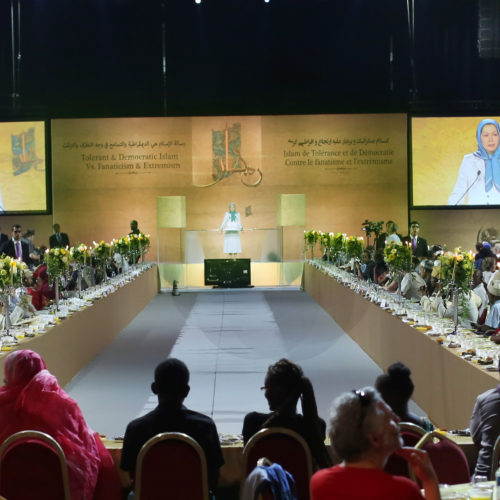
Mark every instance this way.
x=453 y=166
x=23 y=170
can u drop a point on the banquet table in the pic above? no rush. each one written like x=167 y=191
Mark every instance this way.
x=72 y=343
x=446 y=385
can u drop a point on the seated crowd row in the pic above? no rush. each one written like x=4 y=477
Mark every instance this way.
x=422 y=283
x=363 y=429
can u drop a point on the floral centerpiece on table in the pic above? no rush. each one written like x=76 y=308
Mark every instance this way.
x=57 y=260
x=122 y=245
x=398 y=257
x=102 y=251
x=457 y=267
x=338 y=247
x=139 y=245
x=80 y=254
x=11 y=272
x=310 y=239
x=311 y=236
x=354 y=246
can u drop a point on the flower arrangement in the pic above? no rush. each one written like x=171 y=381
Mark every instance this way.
x=139 y=243
x=354 y=246
x=58 y=260
x=80 y=254
x=122 y=245
x=311 y=236
x=338 y=243
x=457 y=266
x=102 y=251
x=11 y=272
x=398 y=257
x=325 y=239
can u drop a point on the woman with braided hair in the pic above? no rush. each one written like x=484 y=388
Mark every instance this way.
x=284 y=384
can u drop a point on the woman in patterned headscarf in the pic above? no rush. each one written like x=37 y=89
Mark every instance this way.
x=32 y=399
x=232 y=227
x=478 y=180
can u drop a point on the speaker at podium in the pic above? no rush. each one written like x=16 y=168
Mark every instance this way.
x=228 y=273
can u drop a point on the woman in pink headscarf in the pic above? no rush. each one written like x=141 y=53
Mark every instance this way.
x=32 y=399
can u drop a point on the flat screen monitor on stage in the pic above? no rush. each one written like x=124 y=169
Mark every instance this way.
x=227 y=273
x=455 y=161
x=23 y=172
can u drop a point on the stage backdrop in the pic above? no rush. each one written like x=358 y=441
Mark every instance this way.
x=109 y=171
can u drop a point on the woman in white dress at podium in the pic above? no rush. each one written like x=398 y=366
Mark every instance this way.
x=232 y=227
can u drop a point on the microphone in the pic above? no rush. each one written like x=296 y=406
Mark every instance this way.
x=468 y=189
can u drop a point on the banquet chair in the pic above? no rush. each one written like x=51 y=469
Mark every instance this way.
x=285 y=447
x=171 y=465
x=495 y=459
x=411 y=434
x=33 y=465
x=448 y=460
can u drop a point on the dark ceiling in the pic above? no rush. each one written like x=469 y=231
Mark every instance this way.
x=104 y=57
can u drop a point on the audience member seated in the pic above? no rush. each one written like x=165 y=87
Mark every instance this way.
x=483 y=250
x=31 y=399
x=492 y=321
x=488 y=267
x=396 y=388
x=284 y=384
x=485 y=428
x=380 y=269
x=425 y=269
x=42 y=293
x=364 y=269
x=171 y=385
x=364 y=433
x=479 y=289
x=413 y=285
x=444 y=307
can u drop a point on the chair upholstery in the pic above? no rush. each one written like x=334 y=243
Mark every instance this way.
x=495 y=459
x=33 y=465
x=171 y=465
x=411 y=434
x=448 y=460
x=285 y=447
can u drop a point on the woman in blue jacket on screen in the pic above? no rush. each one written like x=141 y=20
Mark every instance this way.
x=478 y=180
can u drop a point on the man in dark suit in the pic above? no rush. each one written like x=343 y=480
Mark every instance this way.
x=419 y=247
x=58 y=239
x=15 y=247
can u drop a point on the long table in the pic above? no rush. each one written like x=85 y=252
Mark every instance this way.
x=76 y=340
x=446 y=386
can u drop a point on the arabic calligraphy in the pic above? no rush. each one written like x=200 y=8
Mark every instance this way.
x=227 y=159
x=123 y=144
x=23 y=151
x=346 y=141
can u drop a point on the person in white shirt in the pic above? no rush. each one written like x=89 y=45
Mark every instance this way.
x=231 y=225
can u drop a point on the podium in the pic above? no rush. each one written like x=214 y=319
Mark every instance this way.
x=227 y=273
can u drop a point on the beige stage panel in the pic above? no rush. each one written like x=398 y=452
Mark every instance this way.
x=446 y=386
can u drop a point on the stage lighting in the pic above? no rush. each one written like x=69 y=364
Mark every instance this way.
x=197 y=2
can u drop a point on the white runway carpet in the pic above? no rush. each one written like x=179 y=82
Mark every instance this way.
x=227 y=338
